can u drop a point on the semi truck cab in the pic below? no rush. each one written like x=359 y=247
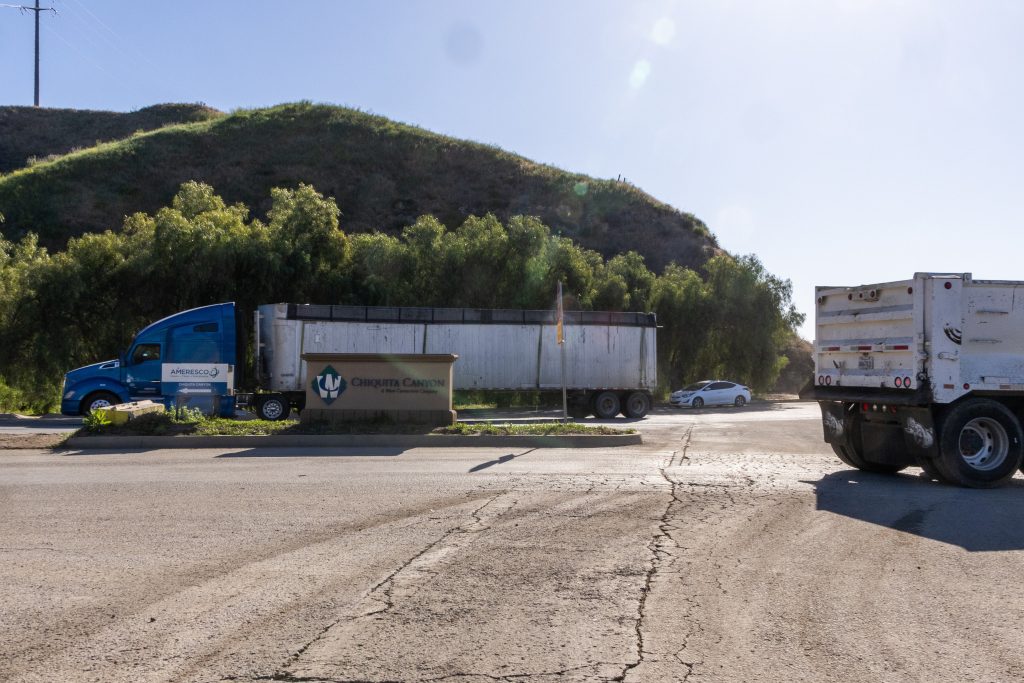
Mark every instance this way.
x=195 y=346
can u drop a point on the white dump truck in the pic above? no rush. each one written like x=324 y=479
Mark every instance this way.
x=610 y=357
x=927 y=371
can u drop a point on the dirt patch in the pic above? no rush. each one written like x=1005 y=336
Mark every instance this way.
x=29 y=441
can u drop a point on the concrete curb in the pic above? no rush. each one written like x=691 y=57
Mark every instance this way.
x=354 y=440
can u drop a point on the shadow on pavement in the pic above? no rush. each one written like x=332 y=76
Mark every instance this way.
x=975 y=520
x=317 y=452
x=503 y=459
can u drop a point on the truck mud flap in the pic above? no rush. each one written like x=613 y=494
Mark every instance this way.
x=837 y=422
x=902 y=438
x=919 y=432
x=894 y=439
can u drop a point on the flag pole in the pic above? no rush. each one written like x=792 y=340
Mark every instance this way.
x=561 y=343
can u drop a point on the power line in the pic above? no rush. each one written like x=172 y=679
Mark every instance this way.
x=37 y=9
x=93 y=24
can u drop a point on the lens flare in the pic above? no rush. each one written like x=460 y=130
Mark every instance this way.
x=664 y=31
x=641 y=71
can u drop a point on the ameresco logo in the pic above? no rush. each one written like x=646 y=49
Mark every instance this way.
x=193 y=372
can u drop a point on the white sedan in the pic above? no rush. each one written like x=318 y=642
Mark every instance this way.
x=711 y=392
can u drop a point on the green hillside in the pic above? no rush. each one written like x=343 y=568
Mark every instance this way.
x=384 y=175
x=28 y=133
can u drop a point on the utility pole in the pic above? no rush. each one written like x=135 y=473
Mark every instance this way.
x=37 y=9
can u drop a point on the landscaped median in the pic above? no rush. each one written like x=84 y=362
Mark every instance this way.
x=191 y=430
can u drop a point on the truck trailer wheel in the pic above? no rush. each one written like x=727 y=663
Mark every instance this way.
x=606 y=405
x=272 y=408
x=980 y=444
x=101 y=399
x=637 y=405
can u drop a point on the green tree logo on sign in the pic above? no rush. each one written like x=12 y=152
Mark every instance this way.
x=329 y=385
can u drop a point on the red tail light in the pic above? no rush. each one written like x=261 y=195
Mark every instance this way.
x=899 y=382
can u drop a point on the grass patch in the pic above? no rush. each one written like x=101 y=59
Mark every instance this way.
x=477 y=399
x=192 y=423
x=542 y=429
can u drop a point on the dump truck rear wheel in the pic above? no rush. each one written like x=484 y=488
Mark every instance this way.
x=980 y=444
x=101 y=399
x=854 y=459
x=930 y=470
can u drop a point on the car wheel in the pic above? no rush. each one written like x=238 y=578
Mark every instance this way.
x=979 y=444
x=101 y=399
x=273 y=408
x=740 y=402
x=606 y=405
x=698 y=402
x=637 y=404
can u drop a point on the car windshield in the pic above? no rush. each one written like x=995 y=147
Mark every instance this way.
x=696 y=387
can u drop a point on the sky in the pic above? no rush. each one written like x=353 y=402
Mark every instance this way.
x=843 y=142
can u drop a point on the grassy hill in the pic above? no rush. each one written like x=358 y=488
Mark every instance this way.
x=383 y=174
x=29 y=133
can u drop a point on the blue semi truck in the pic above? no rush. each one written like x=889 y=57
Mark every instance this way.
x=196 y=357
x=190 y=355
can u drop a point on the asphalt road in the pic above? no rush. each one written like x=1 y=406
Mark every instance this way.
x=51 y=424
x=732 y=546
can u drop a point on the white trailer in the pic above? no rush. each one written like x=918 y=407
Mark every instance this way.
x=927 y=371
x=610 y=358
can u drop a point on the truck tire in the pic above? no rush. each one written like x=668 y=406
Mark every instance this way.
x=980 y=444
x=606 y=405
x=854 y=459
x=272 y=408
x=637 y=405
x=100 y=399
x=930 y=470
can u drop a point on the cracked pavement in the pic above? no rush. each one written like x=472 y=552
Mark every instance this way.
x=731 y=546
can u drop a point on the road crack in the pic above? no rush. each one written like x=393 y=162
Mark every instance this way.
x=660 y=549
x=382 y=593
